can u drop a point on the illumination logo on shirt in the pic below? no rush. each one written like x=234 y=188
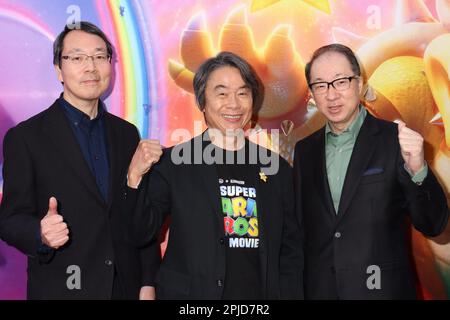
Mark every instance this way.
x=240 y=215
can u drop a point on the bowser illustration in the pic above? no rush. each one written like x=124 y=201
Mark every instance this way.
x=407 y=77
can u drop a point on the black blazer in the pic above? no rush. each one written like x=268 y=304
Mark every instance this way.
x=371 y=226
x=42 y=158
x=194 y=263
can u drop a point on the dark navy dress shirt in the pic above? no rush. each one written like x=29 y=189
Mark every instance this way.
x=91 y=136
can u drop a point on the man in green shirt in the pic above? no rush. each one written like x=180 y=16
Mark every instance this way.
x=358 y=180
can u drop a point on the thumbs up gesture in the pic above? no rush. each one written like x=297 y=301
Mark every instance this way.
x=54 y=231
x=411 y=146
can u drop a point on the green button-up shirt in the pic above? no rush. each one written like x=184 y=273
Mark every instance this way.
x=338 y=150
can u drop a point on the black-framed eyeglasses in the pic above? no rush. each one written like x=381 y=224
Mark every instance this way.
x=81 y=59
x=339 y=84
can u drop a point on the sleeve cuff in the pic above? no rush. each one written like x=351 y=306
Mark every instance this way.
x=41 y=247
x=44 y=252
x=419 y=176
x=136 y=186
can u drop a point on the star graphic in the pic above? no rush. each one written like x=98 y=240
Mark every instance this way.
x=263 y=176
x=322 y=5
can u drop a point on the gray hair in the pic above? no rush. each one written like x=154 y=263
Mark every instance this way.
x=226 y=59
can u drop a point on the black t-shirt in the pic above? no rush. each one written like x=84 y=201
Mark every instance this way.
x=239 y=207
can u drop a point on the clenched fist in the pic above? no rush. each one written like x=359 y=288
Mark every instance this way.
x=54 y=231
x=411 y=146
x=147 y=153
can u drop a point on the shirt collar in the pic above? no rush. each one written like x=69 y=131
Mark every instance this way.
x=76 y=116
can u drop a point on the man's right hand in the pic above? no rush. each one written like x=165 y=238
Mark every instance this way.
x=54 y=231
x=147 y=153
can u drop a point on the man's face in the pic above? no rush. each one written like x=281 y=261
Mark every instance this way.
x=228 y=100
x=340 y=107
x=83 y=83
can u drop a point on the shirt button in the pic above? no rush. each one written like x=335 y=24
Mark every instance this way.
x=221 y=241
x=337 y=235
x=108 y=262
x=219 y=283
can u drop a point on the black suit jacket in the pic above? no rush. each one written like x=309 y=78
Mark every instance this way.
x=42 y=158
x=370 y=228
x=194 y=263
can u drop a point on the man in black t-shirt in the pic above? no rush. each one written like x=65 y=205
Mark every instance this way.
x=233 y=232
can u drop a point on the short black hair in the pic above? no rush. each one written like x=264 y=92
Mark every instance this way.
x=83 y=26
x=226 y=59
x=335 y=47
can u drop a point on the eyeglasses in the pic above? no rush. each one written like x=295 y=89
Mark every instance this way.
x=81 y=59
x=339 y=84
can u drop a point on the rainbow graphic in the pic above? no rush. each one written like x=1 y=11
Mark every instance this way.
x=136 y=59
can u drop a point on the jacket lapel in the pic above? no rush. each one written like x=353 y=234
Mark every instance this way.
x=208 y=177
x=61 y=135
x=320 y=172
x=362 y=152
x=113 y=146
x=264 y=193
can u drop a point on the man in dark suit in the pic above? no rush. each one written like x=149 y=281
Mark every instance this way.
x=64 y=178
x=233 y=232
x=357 y=181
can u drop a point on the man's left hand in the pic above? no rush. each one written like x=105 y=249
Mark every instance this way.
x=411 y=146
